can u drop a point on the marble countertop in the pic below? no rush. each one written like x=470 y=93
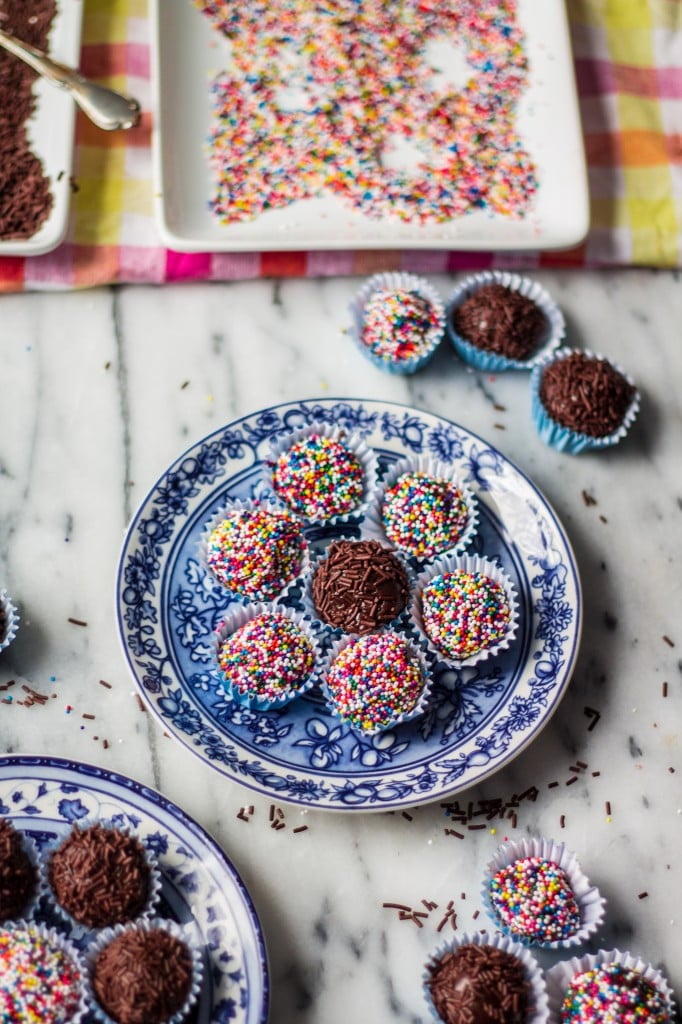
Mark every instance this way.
x=101 y=390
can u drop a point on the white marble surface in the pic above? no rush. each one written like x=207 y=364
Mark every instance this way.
x=102 y=390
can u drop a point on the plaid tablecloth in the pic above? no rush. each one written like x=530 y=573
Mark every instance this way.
x=628 y=58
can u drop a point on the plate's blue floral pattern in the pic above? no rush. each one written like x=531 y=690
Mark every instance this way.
x=477 y=719
x=200 y=888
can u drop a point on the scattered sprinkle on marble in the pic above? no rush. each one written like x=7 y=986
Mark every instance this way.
x=592 y=714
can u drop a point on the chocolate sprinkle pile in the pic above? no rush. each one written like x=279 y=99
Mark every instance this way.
x=143 y=977
x=18 y=876
x=100 y=876
x=501 y=320
x=359 y=585
x=479 y=985
x=25 y=196
x=585 y=394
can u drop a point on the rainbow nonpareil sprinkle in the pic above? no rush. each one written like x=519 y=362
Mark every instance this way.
x=39 y=982
x=424 y=515
x=375 y=680
x=268 y=658
x=256 y=552
x=533 y=898
x=465 y=613
x=319 y=97
x=319 y=477
x=613 y=994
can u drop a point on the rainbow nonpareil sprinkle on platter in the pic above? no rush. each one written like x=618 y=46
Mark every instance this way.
x=321 y=99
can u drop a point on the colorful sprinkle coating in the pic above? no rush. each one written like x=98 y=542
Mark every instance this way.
x=424 y=515
x=323 y=99
x=400 y=325
x=465 y=613
x=39 y=982
x=613 y=994
x=374 y=680
x=256 y=552
x=268 y=658
x=533 y=897
x=319 y=477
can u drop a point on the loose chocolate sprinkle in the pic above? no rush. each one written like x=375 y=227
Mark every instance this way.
x=430 y=905
x=359 y=585
x=607 y=807
x=475 y=914
x=479 y=985
x=396 y=906
x=104 y=683
x=585 y=394
x=499 y=319
x=594 y=715
x=664 y=689
x=642 y=895
x=573 y=778
x=476 y=828
x=300 y=828
x=552 y=785
x=499 y=408
x=562 y=821
x=499 y=426
x=668 y=641
x=143 y=976
x=603 y=519
x=581 y=764
x=7 y=685
x=105 y=744
x=76 y=622
x=451 y=832
x=588 y=499
x=408 y=817
x=89 y=717
x=595 y=775
x=140 y=703
x=18 y=876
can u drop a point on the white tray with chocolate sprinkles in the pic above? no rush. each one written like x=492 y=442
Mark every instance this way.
x=193 y=893
x=478 y=715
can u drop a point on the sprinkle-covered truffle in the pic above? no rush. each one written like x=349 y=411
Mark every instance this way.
x=465 y=613
x=18 y=875
x=400 y=325
x=375 y=680
x=256 y=552
x=39 y=982
x=424 y=515
x=319 y=477
x=585 y=393
x=268 y=658
x=479 y=985
x=501 y=320
x=533 y=898
x=359 y=585
x=613 y=994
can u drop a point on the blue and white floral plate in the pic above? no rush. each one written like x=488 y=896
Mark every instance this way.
x=478 y=718
x=43 y=796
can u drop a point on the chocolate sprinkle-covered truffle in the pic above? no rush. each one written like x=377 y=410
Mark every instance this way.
x=359 y=585
x=479 y=985
x=18 y=876
x=502 y=320
x=586 y=394
x=100 y=876
x=143 y=976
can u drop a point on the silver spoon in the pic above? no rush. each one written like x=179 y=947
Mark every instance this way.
x=107 y=109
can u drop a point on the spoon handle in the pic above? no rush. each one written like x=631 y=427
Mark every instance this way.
x=107 y=109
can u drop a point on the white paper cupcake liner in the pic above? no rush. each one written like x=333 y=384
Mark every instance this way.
x=353 y=440
x=109 y=934
x=78 y=930
x=433 y=468
x=238 y=505
x=469 y=564
x=559 y=977
x=57 y=941
x=28 y=911
x=238 y=616
x=492 y=362
x=420 y=707
x=393 y=281
x=11 y=620
x=538 y=991
x=591 y=904
x=572 y=441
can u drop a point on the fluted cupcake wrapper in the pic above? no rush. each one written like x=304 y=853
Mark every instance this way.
x=109 y=934
x=591 y=904
x=564 y=439
x=468 y=564
x=236 y=505
x=434 y=468
x=238 y=616
x=58 y=941
x=559 y=977
x=492 y=362
x=354 y=441
x=392 y=281
x=420 y=707
x=538 y=992
x=77 y=929
x=11 y=620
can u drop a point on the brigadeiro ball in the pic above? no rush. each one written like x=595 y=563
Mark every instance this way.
x=582 y=401
x=101 y=876
x=18 y=873
x=41 y=979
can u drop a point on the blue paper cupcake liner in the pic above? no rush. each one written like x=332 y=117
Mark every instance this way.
x=57 y=941
x=562 y=438
x=11 y=620
x=492 y=362
x=539 y=1012
x=393 y=281
x=237 y=617
x=591 y=904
